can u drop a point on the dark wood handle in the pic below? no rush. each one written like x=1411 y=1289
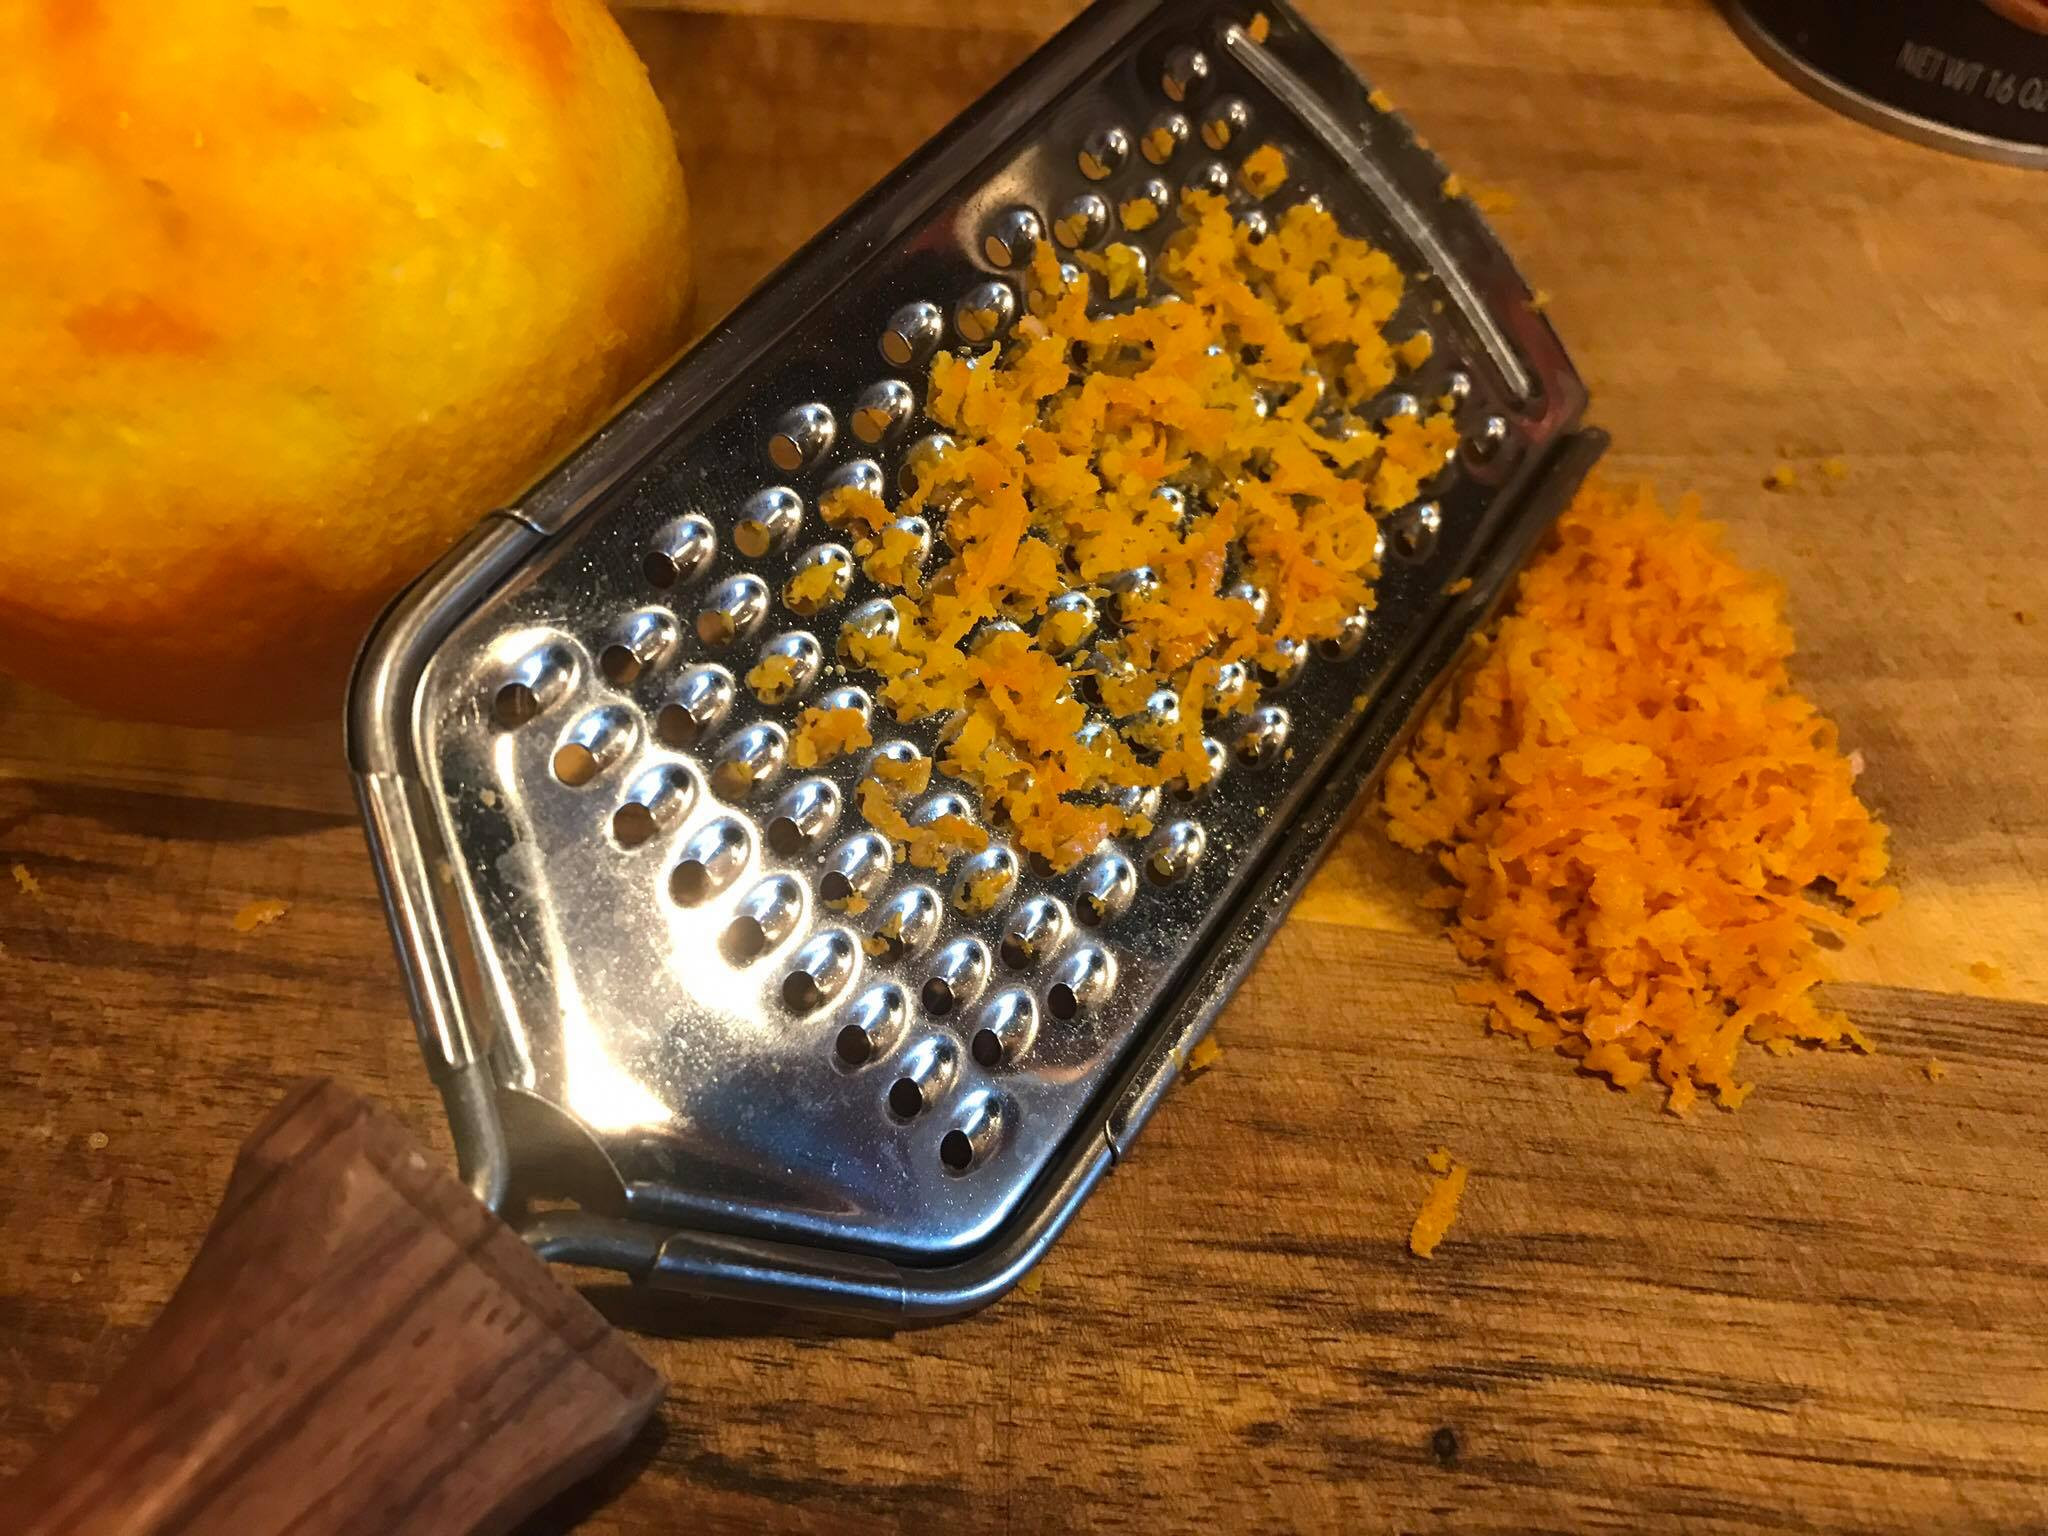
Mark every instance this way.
x=360 y=1349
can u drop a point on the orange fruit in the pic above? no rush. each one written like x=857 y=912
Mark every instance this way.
x=291 y=293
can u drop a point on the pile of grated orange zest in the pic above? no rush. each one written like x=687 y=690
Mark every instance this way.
x=1645 y=827
x=1209 y=438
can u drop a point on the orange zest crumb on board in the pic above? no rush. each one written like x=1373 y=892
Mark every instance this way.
x=1204 y=1056
x=1260 y=28
x=26 y=882
x=1782 y=478
x=1935 y=1071
x=1220 y=438
x=1644 y=828
x=1835 y=468
x=260 y=914
x=1379 y=100
x=1440 y=1205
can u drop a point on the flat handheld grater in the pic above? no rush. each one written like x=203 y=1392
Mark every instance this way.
x=621 y=911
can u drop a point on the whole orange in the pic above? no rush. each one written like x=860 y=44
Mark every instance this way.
x=291 y=292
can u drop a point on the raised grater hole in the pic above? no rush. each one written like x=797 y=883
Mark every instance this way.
x=909 y=922
x=823 y=576
x=733 y=610
x=985 y=879
x=633 y=824
x=956 y=976
x=1163 y=140
x=1265 y=734
x=1108 y=885
x=1103 y=153
x=1225 y=123
x=1175 y=853
x=807 y=812
x=1010 y=1024
x=883 y=409
x=540 y=678
x=1186 y=74
x=1284 y=662
x=1349 y=639
x=1487 y=441
x=575 y=764
x=745 y=939
x=767 y=520
x=1415 y=530
x=701 y=701
x=872 y=1024
x=1085 y=980
x=823 y=968
x=855 y=871
x=620 y=665
x=986 y=312
x=710 y=861
x=644 y=640
x=691 y=882
x=748 y=761
x=1154 y=194
x=593 y=744
x=788 y=665
x=1081 y=222
x=974 y=1135
x=1037 y=928
x=928 y=451
x=912 y=333
x=515 y=704
x=906 y=1099
x=1012 y=236
x=767 y=915
x=677 y=727
x=680 y=551
x=801 y=437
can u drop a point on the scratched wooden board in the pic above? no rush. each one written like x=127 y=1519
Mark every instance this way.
x=1820 y=1314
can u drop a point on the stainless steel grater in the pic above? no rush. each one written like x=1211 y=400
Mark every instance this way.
x=663 y=1044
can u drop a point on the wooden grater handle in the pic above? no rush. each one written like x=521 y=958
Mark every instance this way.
x=359 y=1349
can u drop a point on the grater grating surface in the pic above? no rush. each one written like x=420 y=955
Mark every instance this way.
x=634 y=930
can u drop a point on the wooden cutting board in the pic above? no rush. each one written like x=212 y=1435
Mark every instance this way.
x=1824 y=1313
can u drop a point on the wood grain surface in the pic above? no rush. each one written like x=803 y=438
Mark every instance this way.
x=1824 y=1313
x=359 y=1348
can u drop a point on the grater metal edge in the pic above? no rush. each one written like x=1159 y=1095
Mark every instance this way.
x=398 y=802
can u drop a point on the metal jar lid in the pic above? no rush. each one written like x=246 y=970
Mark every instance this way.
x=1969 y=76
